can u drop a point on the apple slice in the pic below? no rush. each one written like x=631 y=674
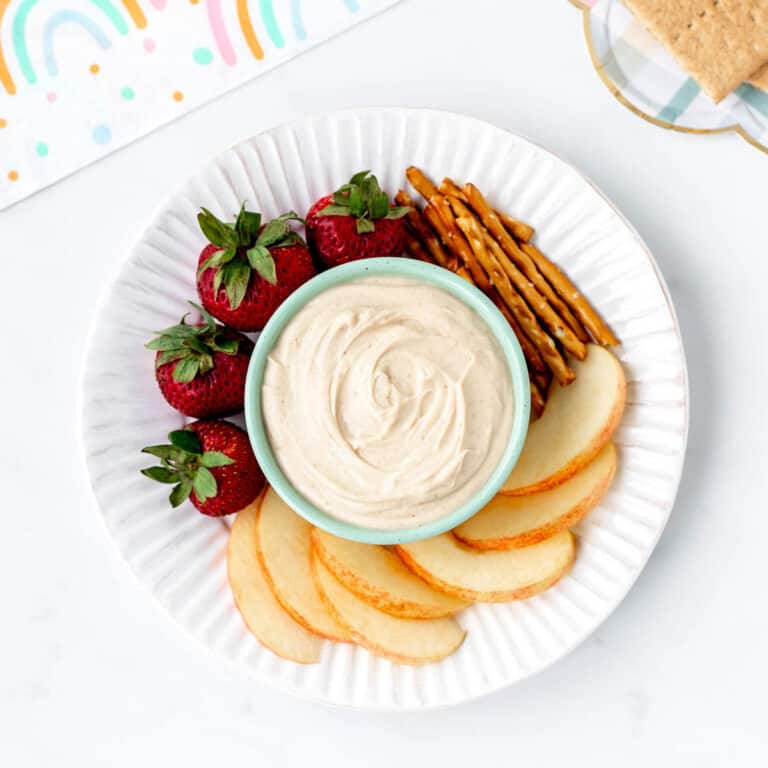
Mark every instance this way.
x=578 y=421
x=379 y=577
x=284 y=548
x=262 y=613
x=490 y=576
x=408 y=641
x=519 y=521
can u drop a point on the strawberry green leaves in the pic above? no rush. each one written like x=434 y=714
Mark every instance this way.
x=359 y=178
x=184 y=464
x=180 y=493
x=261 y=260
x=277 y=230
x=161 y=474
x=213 y=459
x=186 y=440
x=217 y=232
x=192 y=347
x=363 y=199
x=235 y=277
x=244 y=247
x=204 y=484
x=275 y=234
x=247 y=226
x=219 y=259
x=186 y=370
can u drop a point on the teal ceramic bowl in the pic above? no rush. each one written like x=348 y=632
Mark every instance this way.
x=399 y=267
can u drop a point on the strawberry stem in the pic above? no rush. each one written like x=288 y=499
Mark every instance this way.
x=184 y=463
x=191 y=347
x=363 y=199
x=244 y=246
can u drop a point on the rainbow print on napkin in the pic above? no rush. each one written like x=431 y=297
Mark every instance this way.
x=82 y=78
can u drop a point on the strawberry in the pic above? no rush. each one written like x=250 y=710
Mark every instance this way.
x=201 y=369
x=248 y=270
x=211 y=464
x=355 y=222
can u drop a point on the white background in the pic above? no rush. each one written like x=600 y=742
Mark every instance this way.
x=92 y=673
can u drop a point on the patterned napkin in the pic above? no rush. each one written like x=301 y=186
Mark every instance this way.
x=640 y=72
x=82 y=78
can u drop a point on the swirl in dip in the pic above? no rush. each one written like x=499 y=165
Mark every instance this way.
x=387 y=402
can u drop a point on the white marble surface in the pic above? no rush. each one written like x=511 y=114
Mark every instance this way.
x=91 y=671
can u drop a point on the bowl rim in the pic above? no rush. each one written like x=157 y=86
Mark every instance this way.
x=380 y=267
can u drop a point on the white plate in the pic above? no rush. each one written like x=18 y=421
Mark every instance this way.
x=180 y=555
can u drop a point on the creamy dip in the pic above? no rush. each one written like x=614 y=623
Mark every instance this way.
x=387 y=402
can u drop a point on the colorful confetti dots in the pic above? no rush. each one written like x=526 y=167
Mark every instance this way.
x=102 y=134
x=128 y=93
x=41 y=149
x=202 y=56
x=13 y=176
x=178 y=96
x=149 y=45
x=3 y=123
x=94 y=69
x=51 y=97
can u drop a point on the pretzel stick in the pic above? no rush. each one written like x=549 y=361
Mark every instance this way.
x=571 y=338
x=450 y=188
x=543 y=380
x=405 y=199
x=532 y=355
x=444 y=224
x=570 y=294
x=416 y=250
x=493 y=224
x=545 y=345
x=537 y=401
x=527 y=278
x=445 y=227
x=519 y=281
x=423 y=232
x=558 y=305
x=420 y=182
x=461 y=211
x=527 y=290
x=521 y=286
x=521 y=231
x=570 y=319
x=449 y=235
x=462 y=272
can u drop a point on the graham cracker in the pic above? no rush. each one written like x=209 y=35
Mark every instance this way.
x=720 y=43
x=760 y=78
